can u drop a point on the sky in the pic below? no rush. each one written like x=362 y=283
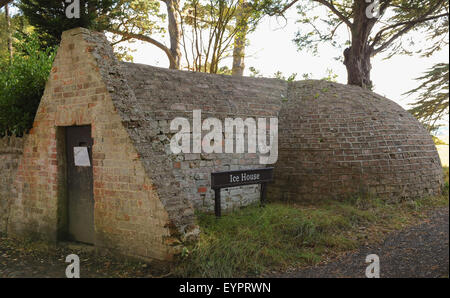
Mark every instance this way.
x=271 y=49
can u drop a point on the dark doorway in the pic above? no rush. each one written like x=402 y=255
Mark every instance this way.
x=80 y=184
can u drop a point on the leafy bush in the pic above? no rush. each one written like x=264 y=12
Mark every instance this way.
x=22 y=84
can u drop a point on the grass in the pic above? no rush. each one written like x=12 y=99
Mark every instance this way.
x=255 y=241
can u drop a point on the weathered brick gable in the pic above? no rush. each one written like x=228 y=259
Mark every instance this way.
x=129 y=216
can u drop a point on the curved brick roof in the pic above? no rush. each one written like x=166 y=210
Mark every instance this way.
x=337 y=140
x=164 y=94
x=334 y=140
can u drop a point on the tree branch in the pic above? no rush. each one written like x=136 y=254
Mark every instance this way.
x=280 y=12
x=335 y=11
x=148 y=39
x=408 y=26
x=324 y=2
x=4 y=2
x=121 y=40
x=378 y=36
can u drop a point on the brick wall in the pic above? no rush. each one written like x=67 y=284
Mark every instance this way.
x=10 y=152
x=336 y=141
x=165 y=94
x=129 y=216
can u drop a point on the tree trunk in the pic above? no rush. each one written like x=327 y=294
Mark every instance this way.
x=358 y=66
x=8 y=31
x=239 y=41
x=174 y=32
x=357 y=56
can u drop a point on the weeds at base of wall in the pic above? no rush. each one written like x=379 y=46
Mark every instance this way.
x=257 y=241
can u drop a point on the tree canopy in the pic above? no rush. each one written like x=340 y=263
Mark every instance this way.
x=4 y=2
x=50 y=20
x=374 y=27
x=433 y=101
x=216 y=29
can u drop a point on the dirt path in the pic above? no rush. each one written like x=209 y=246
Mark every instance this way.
x=27 y=260
x=418 y=251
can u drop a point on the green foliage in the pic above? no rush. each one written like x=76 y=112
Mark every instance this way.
x=438 y=141
x=3 y=39
x=210 y=27
x=50 y=20
x=22 y=84
x=397 y=18
x=255 y=73
x=252 y=239
x=279 y=75
x=133 y=17
x=141 y=17
x=18 y=24
x=433 y=99
x=330 y=75
x=224 y=70
x=309 y=36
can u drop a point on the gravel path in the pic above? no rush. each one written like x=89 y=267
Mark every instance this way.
x=418 y=251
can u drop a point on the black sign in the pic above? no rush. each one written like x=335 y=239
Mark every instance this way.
x=237 y=178
x=240 y=177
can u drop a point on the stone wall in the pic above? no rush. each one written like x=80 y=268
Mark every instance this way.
x=164 y=94
x=10 y=152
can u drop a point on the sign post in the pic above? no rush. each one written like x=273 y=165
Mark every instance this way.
x=217 y=208
x=225 y=179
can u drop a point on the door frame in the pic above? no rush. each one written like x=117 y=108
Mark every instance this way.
x=63 y=189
